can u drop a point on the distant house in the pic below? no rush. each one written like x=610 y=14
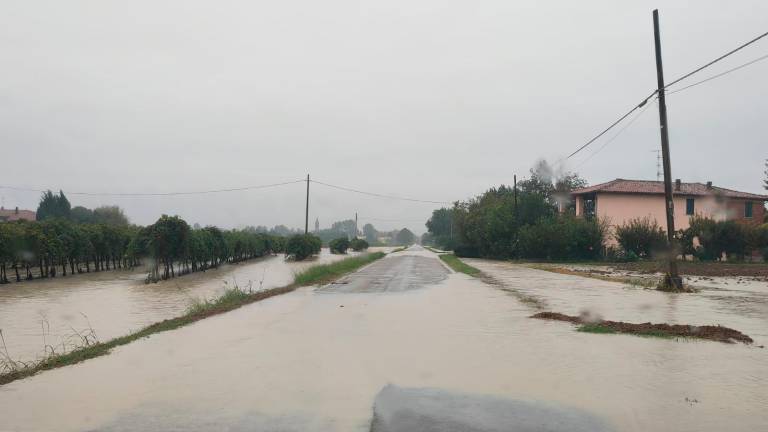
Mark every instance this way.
x=16 y=214
x=620 y=200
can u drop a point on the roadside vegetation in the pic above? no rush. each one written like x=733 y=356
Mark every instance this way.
x=327 y=272
x=708 y=332
x=339 y=245
x=233 y=298
x=458 y=265
x=358 y=245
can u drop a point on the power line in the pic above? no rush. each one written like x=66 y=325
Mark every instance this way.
x=379 y=195
x=644 y=101
x=132 y=194
x=716 y=60
x=610 y=140
x=640 y=105
x=720 y=74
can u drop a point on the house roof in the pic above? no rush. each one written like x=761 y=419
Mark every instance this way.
x=12 y=215
x=657 y=187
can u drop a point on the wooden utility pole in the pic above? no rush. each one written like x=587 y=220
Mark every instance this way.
x=306 y=215
x=672 y=280
x=514 y=187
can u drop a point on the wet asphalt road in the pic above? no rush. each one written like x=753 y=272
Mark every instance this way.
x=392 y=274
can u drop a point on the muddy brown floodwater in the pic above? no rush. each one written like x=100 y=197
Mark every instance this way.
x=36 y=313
x=458 y=351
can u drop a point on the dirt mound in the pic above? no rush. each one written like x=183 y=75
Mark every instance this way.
x=710 y=332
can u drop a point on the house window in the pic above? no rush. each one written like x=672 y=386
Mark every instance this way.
x=748 y=209
x=590 y=206
x=689 y=206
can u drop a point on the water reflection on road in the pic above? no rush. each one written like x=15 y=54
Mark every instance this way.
x=116 y=302
x=316 y=361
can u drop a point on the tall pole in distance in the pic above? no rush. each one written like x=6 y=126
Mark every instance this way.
x=306 y=215
x=355 y=225
x=672 y=280
x=514 y=177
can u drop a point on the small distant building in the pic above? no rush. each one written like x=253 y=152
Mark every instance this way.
x=620 y=200
x=16 y=214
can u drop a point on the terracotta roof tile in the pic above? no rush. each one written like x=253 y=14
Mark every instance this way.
x=657 y=187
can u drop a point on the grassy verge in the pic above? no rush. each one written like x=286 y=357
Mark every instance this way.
x=230 y=300
x=400 y=249
x=327 y=272
x=458 y=265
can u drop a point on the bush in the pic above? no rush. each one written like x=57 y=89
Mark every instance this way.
x=562 y=237
x=642 y=236
x=358 y=245
x=302 y=246
x=734 y=239
x=339 y=245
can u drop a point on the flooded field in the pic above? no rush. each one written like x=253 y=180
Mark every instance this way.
x=455 y=350
x=739 y=304
x=50 y=312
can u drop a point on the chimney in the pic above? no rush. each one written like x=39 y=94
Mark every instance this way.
x=709 y=185
x=17 y=210
x=677 y=185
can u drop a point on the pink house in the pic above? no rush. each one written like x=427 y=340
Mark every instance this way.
x=620 y=200
x=16 y=214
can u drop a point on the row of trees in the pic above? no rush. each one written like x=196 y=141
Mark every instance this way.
x=57 y=247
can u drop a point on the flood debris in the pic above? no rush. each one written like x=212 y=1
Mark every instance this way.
x=709 y=332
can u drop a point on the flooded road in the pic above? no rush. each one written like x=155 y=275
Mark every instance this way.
x=458 y=351
x=113 y=303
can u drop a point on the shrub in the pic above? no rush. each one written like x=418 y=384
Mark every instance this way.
x=358 y=245
x=641 y=236
x=734 y=239
x=302 y=246
x=562 y=237
x=339 y=245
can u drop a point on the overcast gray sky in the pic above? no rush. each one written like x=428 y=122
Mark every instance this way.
x=434 y=99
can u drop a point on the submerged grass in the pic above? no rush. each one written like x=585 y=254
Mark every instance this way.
x=458 y=265
x=232 y=299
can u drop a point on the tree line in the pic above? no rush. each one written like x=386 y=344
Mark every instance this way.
x=60 y=243
x=505 y=222
x=527 y=224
